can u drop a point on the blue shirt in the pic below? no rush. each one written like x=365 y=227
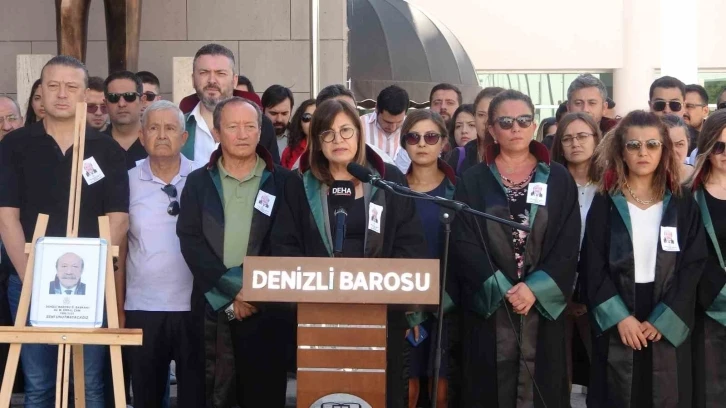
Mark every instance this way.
x=429 y=214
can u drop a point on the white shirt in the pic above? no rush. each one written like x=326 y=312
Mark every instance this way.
x=386 y=158
x=692 y=158
x=585 y=194
x=646 y=234
x=402 y=161
x=376 y=136
x=204 y=143
x=157 y=277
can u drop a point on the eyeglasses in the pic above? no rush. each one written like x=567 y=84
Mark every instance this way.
x=659 y=106
x=721 y=105
x=148 y=96
x=694 y=105
x=128 y=97
x=306 y=117
x=507 y=122
x=173 y=208
x=94 y=107
x=636 y=145
x=718 y=148
x=9 y=119
x=431 y=138
x=568 y=139
x=329 y=135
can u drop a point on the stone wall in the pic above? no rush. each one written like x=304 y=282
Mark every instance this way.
x=270 y=38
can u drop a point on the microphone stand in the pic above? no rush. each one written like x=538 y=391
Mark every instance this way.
x=449 y=210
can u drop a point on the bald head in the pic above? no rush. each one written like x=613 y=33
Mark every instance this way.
x=10 y=117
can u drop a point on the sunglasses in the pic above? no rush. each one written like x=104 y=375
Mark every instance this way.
x=170 y=191
x=718 y=148
x=94 y=107
x=507 y=122
x=721 y=105
x=659 y=106
x=306 y=117
x=149 y=96
x=431 y=138
x=636 y=145
x=128 y=97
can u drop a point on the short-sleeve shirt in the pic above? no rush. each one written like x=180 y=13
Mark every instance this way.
x=35 y=177
x=136 y=152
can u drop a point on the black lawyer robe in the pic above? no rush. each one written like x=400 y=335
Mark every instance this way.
x=493 y=371
x=608 y=273
x=200 y=228
x=709 y=333
x=302 y=229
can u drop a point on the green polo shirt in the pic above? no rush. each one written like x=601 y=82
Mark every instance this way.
x=239 y=202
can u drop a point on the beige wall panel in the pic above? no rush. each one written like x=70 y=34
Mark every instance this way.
x=235 y=19
x=333 y=24
x=8 y=67
x=28 y=68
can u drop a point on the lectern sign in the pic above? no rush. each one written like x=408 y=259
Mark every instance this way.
x=341 y=280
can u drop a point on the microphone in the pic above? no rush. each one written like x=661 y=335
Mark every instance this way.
x=341 y=197
x=365 y=175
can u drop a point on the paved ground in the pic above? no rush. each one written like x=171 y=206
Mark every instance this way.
x=578 y=400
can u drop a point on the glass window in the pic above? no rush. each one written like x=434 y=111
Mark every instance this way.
x=547 y=90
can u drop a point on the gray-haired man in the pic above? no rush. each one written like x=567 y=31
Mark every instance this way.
x=588 y=94
x=158 y=281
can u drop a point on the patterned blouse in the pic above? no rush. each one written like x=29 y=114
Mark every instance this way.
x=519 y=212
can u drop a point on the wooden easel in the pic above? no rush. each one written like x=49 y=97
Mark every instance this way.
x=70 y=338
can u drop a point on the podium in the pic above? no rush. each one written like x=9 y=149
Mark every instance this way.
x=342 y=319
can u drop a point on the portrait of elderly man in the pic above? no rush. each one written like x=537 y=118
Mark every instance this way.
x=69 y=268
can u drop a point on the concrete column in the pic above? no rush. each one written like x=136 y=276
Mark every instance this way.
x=679 y=39
x=182 y=78
x=28 y=70
x=632 y=82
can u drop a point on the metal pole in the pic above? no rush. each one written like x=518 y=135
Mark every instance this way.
x=314 y=48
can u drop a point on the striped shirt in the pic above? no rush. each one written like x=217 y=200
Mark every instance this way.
x=375 y=136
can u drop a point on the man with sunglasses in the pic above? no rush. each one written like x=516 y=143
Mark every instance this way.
x=159 y=282
x=97 y=113
x=152 y=89
x=123 y=99
x=666 y=97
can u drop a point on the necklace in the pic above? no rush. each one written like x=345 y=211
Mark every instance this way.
x=516 y=186
x=635 y=197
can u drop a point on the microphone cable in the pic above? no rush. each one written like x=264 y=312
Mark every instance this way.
x=509 y=314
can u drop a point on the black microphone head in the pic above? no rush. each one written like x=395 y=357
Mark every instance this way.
x=362 y=173
x=341 y=195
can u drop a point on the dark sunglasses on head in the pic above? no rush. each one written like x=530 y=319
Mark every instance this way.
x=306 y=117
x=718 y=148
x=149 y=96
x=170 y=191
x=128 y=97
x=94 y=107
x=636 y=145
x=659 y=106
x=430 y=138
x=721 y=105
x=507 y=122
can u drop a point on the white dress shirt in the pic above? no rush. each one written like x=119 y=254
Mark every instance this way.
x=204 y=143
x=157 y=277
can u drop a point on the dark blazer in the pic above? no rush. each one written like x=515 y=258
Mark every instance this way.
x=200 y=228
x=56 y=287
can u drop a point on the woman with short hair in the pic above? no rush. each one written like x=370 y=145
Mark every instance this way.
x=379 y=224
x=642 y=257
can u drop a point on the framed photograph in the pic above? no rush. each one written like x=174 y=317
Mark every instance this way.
x=69 y=282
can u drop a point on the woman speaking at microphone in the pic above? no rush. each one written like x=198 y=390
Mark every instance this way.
x=642 y=256
x=378 y=223
x=514 y=285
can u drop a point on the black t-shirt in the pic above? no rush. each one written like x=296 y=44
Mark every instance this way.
x=717 y=209
x=35 y=177
x=135 y=153
x=355 y=229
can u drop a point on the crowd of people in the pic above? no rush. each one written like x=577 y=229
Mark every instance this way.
x=625 y=220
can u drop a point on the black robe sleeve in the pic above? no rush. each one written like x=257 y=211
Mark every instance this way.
x=210 y=273
x=288 y=231
x=408 y=237
x=712 y=288
x=673 y=316
x=600 y=295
